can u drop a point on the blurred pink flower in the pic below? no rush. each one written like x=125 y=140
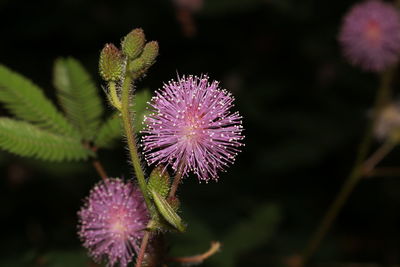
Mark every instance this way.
x=370 y=35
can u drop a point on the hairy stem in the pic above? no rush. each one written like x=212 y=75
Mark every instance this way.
x=143 y=247
x=113 y=96
x=176 y=182
x=131 y=139
x=356 y=173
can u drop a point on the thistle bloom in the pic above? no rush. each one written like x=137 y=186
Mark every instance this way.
x=112 y=221
x=370 y=35
x=192 y=128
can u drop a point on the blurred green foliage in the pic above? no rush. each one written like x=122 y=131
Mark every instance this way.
x=236 y=240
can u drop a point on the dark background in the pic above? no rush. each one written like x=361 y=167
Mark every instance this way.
x=304 y=111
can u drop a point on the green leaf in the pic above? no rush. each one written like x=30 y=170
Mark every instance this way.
x=78 y=96
x=168 y=212
x=159 y=181
x=158 y=222
x=110 y=131
x=26 y=101
x=25 y=139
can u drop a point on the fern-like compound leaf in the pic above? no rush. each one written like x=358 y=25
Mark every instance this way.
x=110 y=131
x=25 y=139
x=26 y=101
x=78 y=96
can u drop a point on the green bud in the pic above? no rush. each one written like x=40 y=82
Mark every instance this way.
x=111 y=63
x=137 y=65
x=150 y=53
x=168 y=212
x=159 y=181
x=132 y=44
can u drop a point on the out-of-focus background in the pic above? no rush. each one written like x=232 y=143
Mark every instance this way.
x=304 y=112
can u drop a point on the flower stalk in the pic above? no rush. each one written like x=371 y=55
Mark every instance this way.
x=357 y=172
x=143 y=247
x=176 y=182
x=113 y=96
x=127 y=85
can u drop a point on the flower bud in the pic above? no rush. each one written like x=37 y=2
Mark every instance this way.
x=111 y=63
x=132 y=44
x=159 y=181
x=137 y=65
x=150 y=52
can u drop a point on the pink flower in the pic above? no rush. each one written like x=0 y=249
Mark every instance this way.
x=192 y=128
x=112 y=221
x=370 y=35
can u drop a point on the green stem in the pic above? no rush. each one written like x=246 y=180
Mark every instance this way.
x=130 y=137
x=356 y=173
x=114 y=99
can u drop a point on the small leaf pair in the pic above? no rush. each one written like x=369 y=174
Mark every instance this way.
x=158 y=188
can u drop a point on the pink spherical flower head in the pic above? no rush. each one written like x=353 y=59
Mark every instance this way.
x=192 y=127
x=112 y=221
x=370 y=35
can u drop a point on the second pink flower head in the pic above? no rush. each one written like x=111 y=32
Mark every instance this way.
x=370 y=35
